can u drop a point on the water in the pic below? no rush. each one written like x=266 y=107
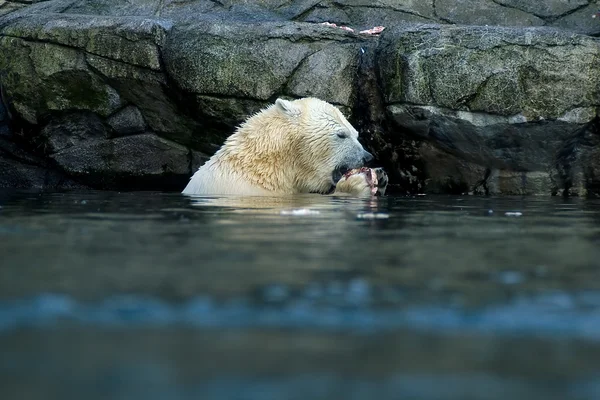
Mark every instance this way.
x=160 y=296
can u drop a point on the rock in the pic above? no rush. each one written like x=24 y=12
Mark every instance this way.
x=11 y=150
x=3 y=114
x=447 y=173
x=486 y=139
x=131 y=40
x=498 y=98
x=96 y=64
x=577 y=163
x=580 y=21
x=138 y=94
x=367 y=14
x=255 y=61
x=69 y=130
x=313 y=78
x=165 y=112
x=547 y=8
x=592 y=172
x=521 y=183
x=574 y=15
x=21 y=170
x=145 y=8
x=130 y=162
x=484 y=12
x=127 y=121
x=18 y=175
x=503 y=71
x=41 y=77
x=7 y=7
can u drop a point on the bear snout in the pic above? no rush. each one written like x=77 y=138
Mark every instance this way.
x=367 y=157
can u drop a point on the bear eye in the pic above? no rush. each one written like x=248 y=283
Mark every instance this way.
x=342 y=135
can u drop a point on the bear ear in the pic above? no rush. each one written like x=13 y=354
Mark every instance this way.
x=287 y=107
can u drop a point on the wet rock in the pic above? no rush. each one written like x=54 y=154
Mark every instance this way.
x=484 y=12
x=21 y=170
x=41 y=77
x=547 y=8
x=80 y=63
x=574 y=15
x=7 y=7
x=489 y=140
x=4 y=130
x=164 y=111
x=313 y=78
x=480 y=109
x=127 y=121
x=5 y=115
x=366 y=14
x=146 y=8
x=499 y=98
x=592 y=172
x=511 y=72
x=70 y=130
x=580 y=21
x=134 y=41
x=447 y=173
x=259 y=61
x=18 y=175
x=577 y=163
x=130 y=162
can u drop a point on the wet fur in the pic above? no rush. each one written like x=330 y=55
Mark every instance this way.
x=290 y=147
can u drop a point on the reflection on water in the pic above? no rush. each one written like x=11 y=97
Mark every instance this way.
x=165 y=296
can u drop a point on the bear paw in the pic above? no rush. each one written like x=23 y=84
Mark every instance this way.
x=363 y=182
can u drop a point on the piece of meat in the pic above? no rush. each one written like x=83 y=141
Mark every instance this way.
x=370 y=177
x=330 y=24
x=376 y=30
x=373 y=31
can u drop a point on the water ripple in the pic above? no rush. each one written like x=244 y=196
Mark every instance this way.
x=576 y=316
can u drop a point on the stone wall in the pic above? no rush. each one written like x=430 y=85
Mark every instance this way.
x=136 y=95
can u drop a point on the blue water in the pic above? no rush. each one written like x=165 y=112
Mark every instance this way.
x=154 y=295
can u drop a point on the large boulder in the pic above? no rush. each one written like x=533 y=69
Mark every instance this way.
x=504 y=103
x=574 y=15
x=22 y=170
x=130 y=162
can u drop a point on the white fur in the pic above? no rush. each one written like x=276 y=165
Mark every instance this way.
x=288 y=148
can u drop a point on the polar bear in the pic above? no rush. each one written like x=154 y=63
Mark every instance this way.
x=291 y=147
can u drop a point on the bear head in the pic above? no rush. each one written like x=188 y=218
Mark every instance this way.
x=325 y=144
x=297 y=146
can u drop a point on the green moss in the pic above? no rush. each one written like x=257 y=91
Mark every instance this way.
x=80 y=90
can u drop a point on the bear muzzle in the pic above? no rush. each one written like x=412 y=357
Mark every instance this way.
x=338 y=172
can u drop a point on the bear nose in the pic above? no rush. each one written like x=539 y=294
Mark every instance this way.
x=367 y=156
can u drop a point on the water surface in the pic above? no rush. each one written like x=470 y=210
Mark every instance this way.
x=154 y=295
